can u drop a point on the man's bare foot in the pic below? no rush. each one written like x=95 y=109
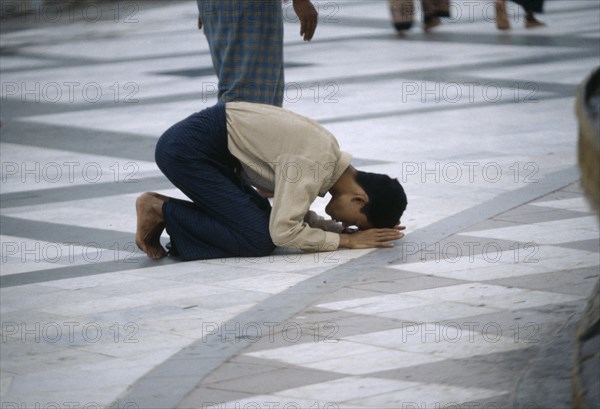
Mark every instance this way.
x=159 y=196
x=150 y=224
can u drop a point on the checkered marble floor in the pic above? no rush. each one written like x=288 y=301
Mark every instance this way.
x=422 y=342
x=478 y=125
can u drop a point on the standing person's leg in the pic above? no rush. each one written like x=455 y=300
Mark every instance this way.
x=246 y=43
x=534 y=6
x=529 y=6
x=502 y=22
x=432 y=11
x=227 y=217
x=402 y=14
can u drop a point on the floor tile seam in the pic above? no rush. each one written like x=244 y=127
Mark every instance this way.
x=531 y=201
x=140 y=148
x=86 y=268
x=212 y=385
x=284 y=305
x=558 y=89
x=449 y=72
x=575 y=245
x=425 y=110
x=61 y=61
x=346 y=5
x=510 y=218
x=80 y=191
x=73 y=62
x=466 y=238
x=121 y=154
x=34 y=230
x=75 y=18
x=63 y=272
x=69 y=138
x=555 y=88
x=378 y=313
x=469 y=235
x=75 y=271
x=534 y=274
x=88 y=62
x=69 y=193
x=405 y=384
x=381 y=22
x=493 y=38
x=577 y=43
x=492 y=309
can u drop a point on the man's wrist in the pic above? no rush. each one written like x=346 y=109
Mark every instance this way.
x=345 y=240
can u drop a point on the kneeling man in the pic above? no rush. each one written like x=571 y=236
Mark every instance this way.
x=215 y=157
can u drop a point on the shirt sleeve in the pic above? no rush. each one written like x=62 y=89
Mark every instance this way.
x=319 y=222
x=295 y=190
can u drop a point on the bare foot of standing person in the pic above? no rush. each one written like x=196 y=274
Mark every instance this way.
x=531 y=21
x=501 y=16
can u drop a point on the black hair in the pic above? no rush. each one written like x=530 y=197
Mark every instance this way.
x=387 y=200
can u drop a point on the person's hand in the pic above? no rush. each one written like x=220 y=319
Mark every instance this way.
x=199 y=23
x=308 y=16
x=371 y=238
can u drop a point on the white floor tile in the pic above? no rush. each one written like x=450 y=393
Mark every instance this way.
x=25 y=169
x=552 y=232
x=344 y=389
x=278 y=401
x=494 y=296
x=519 y=261
x=21 y=255
x=301 y=354
x=449 y=341
x=268 y=283
x=428 y=395
x=377 y=304
x=576 y=204
x=376 y=361
x=440 y=311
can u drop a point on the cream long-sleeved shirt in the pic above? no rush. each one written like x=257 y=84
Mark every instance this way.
x=295 y=158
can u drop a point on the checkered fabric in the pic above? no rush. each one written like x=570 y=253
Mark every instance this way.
x=246 y=44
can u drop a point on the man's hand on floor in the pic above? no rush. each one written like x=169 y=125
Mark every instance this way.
x=372 y=238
